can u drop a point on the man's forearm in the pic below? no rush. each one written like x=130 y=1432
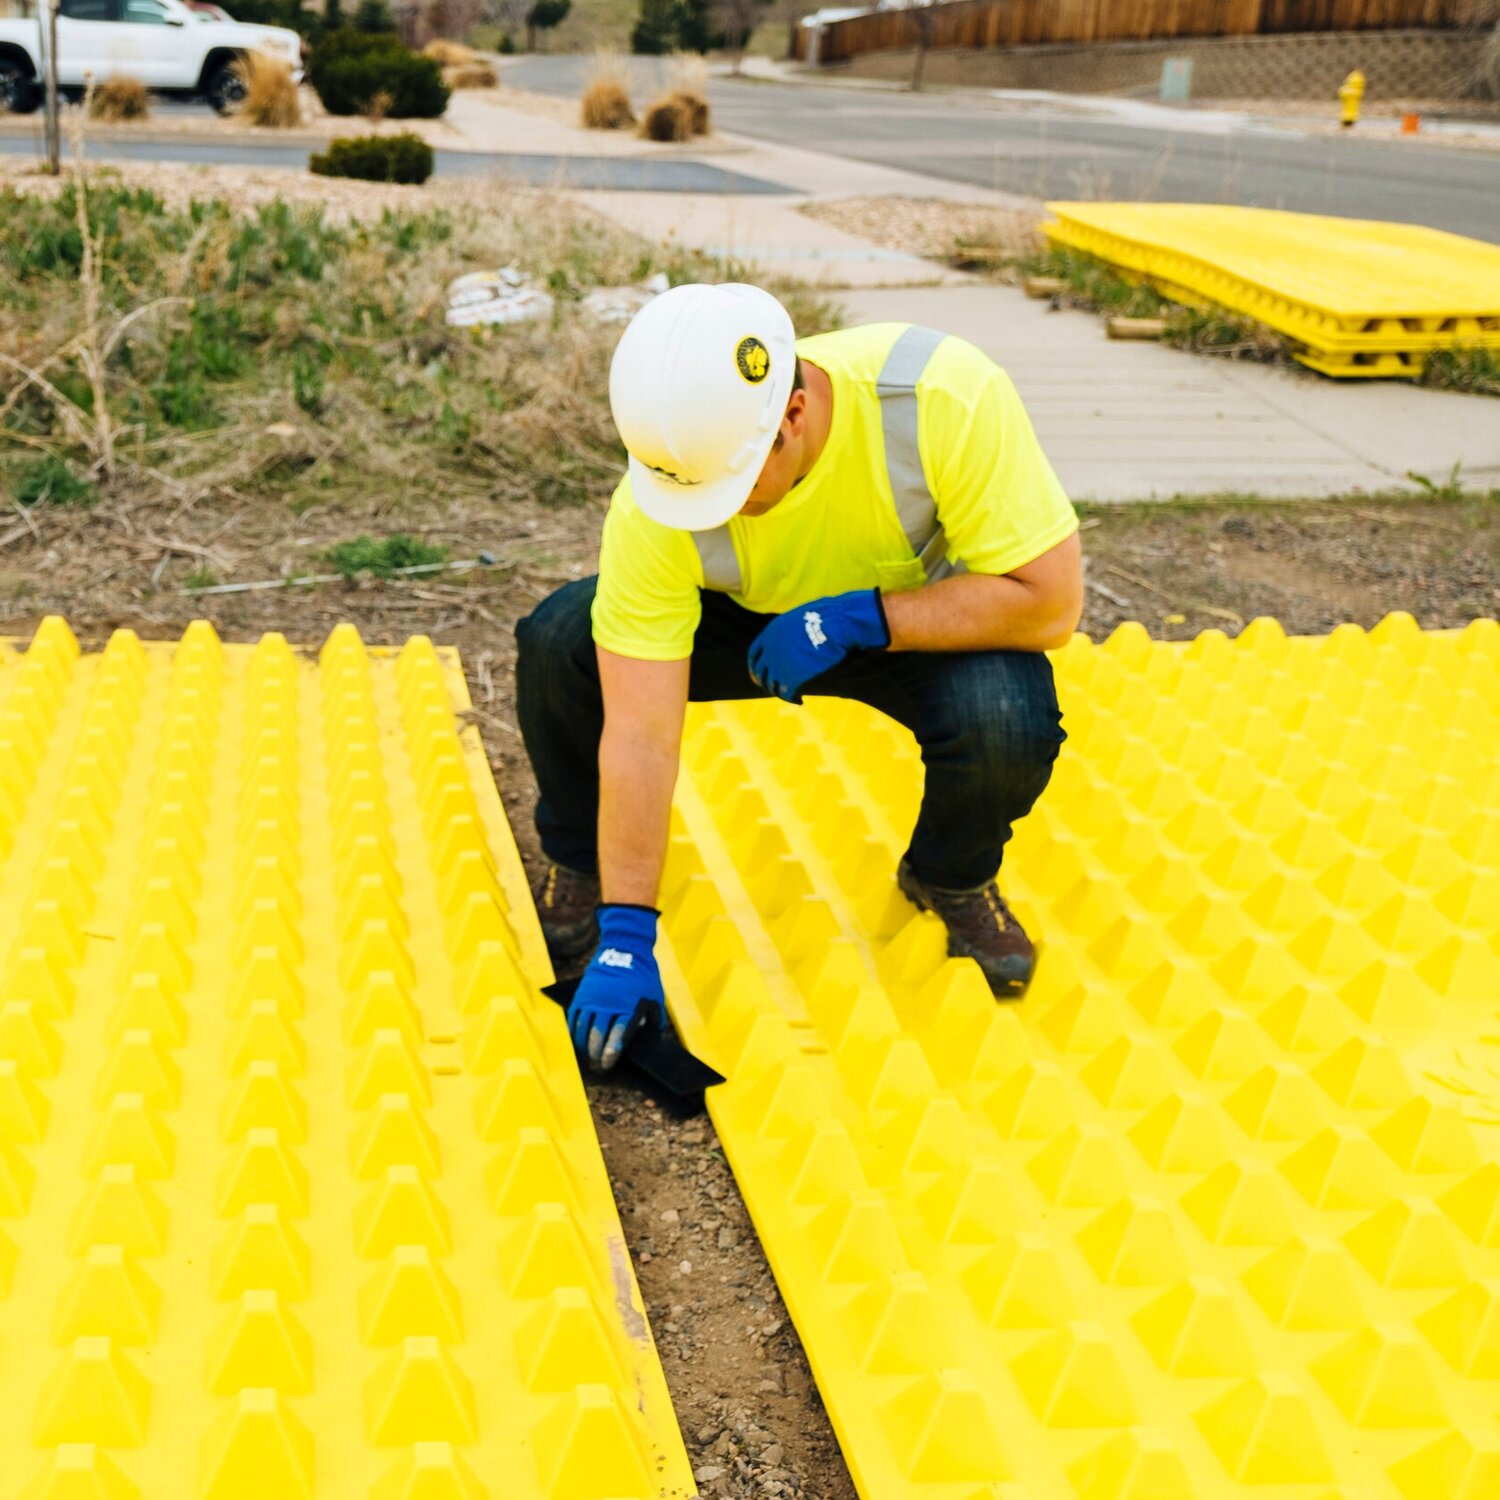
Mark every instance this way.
x=975 y=612
x=636 y=778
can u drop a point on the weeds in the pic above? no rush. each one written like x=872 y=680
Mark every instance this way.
x=1475 y=371
x=275 y=356
x=382 y=559
x=1097 y=286
x=1450 y=489
x=50 y=480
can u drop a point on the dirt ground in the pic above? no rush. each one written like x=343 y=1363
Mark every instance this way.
x=750 y=1414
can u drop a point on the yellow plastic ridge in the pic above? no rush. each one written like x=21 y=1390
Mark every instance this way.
x=1366 y=297
x=299 y=1191
x=1215 y=1211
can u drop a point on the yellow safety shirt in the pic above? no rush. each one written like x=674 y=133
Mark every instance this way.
x=855 y=521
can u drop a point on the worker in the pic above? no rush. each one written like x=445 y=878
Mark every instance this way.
x=863 y=514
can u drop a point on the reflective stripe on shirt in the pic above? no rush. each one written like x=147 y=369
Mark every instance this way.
x=916 y=508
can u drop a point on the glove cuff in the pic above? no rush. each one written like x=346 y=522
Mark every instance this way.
x=885 y=624
x=620 y=921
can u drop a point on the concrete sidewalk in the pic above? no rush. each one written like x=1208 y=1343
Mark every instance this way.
x=1129 y=421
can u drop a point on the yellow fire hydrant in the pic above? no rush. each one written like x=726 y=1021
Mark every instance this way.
x=1351 y=91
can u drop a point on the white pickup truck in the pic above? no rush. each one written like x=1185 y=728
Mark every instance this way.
x=163 y=43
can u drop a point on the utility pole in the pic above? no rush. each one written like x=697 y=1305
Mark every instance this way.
x=54 y=133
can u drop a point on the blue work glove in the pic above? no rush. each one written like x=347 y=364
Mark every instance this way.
x=806 y=641
x=621 y=989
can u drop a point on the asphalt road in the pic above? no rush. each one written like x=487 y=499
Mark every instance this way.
x=1047 y=152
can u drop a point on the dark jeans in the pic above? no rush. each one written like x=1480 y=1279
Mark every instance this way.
x=987 y=723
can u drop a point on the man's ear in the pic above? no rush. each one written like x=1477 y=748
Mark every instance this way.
x=795 y=417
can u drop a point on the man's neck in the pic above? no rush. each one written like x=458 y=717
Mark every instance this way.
x=819 y=416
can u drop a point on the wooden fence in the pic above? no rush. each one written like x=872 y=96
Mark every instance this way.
x=1030 y=23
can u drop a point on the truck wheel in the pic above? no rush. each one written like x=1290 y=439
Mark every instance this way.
x=225 y=88
x=17 y=90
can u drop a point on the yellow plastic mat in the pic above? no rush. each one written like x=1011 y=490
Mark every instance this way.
x=1359 y=293
x=1214 y=1212
x=299 y=1192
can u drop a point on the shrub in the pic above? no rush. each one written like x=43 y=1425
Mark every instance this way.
x=376 y=158
x=271 y=97
x=448 y=54
x=668 y=119
x=695 y=107
x=349 y=69
x=606 y=106
x=120 y=98
x=474 y=75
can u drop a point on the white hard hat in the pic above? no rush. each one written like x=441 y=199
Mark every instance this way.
x=698 y=386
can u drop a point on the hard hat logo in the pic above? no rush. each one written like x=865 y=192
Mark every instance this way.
x=667 y=474
x=754 y=360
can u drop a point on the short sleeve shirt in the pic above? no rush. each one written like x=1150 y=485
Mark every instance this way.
x=996 y=495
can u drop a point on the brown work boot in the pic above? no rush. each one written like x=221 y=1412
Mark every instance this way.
x=980 y=926
x=566 y=902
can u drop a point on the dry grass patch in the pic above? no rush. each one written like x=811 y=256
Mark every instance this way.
x=448 y=54
x=271 y=96
x=474 y=75
x=120 y=98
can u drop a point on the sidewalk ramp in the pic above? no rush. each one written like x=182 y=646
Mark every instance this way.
x=1363 y=297
x=299 y=1192
x=1215 y=1211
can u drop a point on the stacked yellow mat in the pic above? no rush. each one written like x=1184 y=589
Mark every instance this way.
x=1363 y=297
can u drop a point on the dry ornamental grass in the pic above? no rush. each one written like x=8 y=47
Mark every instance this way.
x=448 y=54
x=668 y=119
x=474 y=75
x=271 y=97
x=606 y=95
x=120 y=98
x=695 y=106
x=606 y=106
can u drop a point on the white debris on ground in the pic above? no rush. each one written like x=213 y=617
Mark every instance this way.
x=619 y=304
x=492 y=298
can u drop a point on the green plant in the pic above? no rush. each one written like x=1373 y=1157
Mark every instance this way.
x=384 y=557
x=1476 y=371
x=1094 y=284
x=350 y=69
x=51 y=480
x=202 y=577
x=1452 y=488
x=376 y=158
